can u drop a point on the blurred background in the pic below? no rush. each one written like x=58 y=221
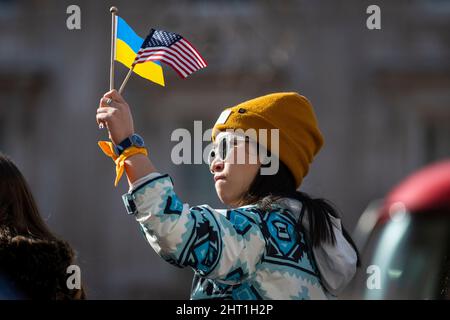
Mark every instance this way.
x=382 y=99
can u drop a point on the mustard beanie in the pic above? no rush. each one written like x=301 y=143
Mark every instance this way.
x=299 y=136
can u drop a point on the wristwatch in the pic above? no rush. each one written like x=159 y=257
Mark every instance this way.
x=133 y=140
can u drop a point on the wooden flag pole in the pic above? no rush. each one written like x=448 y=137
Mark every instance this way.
x=113 y=11
x=122 y=86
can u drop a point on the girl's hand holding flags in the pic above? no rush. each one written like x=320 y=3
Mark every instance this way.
x=144 y=57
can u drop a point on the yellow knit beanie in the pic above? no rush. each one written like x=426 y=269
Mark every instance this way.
x=299 y=136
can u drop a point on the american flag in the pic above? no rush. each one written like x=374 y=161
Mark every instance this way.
x=173 y=49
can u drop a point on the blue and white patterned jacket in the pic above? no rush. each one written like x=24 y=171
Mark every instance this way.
x=242 y=253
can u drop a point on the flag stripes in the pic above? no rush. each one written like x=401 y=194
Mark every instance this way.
x=171 y=49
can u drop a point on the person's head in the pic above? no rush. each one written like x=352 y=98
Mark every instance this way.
x=18 y=209
x=280 y=128
x=293 y=147
x=33 y=258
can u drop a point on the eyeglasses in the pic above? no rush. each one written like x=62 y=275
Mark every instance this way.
x=223 y=147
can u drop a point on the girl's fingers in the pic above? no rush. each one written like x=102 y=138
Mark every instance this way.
x=102 y=117
x=114 y=113
x=113 y=94
x=104 y=103
x=104 y=109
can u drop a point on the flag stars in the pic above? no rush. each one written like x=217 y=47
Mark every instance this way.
x=172 y=49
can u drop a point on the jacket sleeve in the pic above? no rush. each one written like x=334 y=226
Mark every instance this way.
x=218 y=244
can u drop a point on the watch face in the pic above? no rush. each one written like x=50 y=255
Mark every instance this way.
x=137 y=140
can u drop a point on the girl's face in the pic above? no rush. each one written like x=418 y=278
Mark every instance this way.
x=234 y=163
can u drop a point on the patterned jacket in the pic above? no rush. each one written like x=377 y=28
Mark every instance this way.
x=243 y=253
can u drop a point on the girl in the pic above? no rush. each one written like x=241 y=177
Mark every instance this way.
x=273 y=242
x=33 y=261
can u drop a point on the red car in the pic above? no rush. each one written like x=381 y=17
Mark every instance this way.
x=405 y=240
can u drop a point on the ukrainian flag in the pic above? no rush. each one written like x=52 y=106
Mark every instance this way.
x=128 y=44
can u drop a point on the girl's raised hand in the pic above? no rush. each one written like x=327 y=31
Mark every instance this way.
x=115 y=113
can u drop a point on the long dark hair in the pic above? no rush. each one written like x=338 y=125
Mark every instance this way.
x=266 y=189
x=18 y=209
x=20 y=221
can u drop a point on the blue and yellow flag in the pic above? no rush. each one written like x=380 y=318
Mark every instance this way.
x=128 y=44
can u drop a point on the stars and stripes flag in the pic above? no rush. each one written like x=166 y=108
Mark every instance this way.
x=172 y=49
